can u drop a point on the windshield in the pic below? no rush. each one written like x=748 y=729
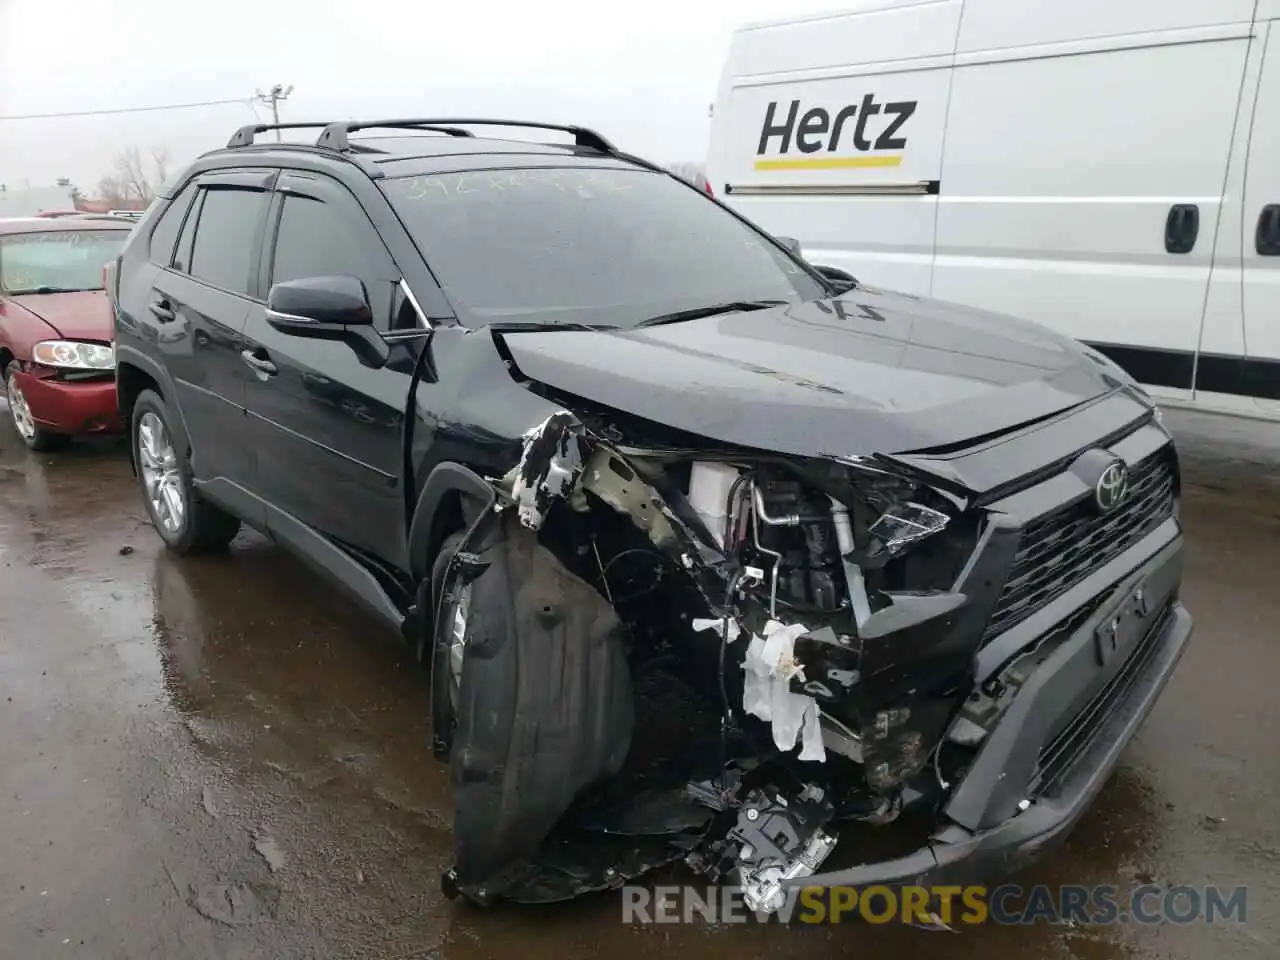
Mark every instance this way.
x=57 y=261
x=604 y=247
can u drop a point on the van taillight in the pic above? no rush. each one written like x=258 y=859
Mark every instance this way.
x=706 y=185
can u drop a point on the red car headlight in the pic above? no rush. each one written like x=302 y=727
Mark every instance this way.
x=73 y=355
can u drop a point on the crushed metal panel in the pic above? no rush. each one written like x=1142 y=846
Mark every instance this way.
x=549 y=468
x=613 y=481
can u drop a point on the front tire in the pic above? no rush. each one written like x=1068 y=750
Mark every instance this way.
x=447 y=620
x=41 y=441
x=186 y=523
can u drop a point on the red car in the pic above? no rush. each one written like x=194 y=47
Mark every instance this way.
x=57 y=358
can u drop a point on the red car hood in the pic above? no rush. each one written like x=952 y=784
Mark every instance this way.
x=85 y=315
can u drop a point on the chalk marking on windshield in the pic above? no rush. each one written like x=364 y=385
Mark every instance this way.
x=587 y=184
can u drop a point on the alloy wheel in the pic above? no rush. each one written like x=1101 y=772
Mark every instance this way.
x=456 y=637
x=23 y=422
x=161 y=478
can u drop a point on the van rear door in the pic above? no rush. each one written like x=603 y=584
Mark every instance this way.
x=1261 y=228
x=1086 y=156
x=829 y=130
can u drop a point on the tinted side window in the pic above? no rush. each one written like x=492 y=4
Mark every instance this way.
x=223 y=250
x=318 y=239
x=166 y=230
x=182 y=256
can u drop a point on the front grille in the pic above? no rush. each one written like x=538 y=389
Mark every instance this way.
x=1060 y=754
x=1058 y=550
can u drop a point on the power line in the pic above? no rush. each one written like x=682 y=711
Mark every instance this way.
x=101 y=113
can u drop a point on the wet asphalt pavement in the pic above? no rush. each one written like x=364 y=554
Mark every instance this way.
x=220 y=758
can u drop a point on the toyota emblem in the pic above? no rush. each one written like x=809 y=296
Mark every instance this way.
x=1112 y=486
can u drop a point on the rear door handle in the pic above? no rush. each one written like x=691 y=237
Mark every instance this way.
x=257 y=363
x=162 y=311
x=1267 y=240
x=1181 y=228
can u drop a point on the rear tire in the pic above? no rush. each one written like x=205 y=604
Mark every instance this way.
x=37 y=439
x=186 y=523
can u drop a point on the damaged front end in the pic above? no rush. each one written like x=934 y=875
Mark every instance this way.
x=708 y=656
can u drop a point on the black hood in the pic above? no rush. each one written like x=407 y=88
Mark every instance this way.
x=871 y=372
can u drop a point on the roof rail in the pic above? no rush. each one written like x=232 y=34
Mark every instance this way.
x=335 y=135
x=244 y=136
x=392 y=125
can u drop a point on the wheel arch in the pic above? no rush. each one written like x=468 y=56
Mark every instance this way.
x=136 y=372
x=452 y=497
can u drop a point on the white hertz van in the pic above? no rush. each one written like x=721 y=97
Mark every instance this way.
x=1108 y=168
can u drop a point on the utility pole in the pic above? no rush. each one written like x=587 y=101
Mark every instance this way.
x=272 y=98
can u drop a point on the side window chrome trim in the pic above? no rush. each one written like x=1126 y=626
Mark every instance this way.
x=417 y=308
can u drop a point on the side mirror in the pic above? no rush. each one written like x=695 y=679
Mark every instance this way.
x=328 y=308
x=297 y=305
x=791 y=243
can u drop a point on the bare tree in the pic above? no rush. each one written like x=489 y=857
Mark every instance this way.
x=112 y=190
x=133 y=174
x=160 y=159
x=133 y=179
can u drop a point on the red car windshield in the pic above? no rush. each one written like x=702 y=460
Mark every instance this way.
x=59 y=261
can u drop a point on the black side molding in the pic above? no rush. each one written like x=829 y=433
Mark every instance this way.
x=1155 y=366
x=1215 y=372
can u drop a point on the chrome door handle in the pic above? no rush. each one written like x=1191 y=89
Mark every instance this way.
x=260 y=364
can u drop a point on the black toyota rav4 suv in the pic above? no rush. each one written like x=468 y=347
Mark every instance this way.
x=713 y=555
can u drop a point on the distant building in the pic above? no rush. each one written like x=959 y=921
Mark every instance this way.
x=28 y=201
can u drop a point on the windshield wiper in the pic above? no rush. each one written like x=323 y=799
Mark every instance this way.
x=48 y=289
x=697 y=313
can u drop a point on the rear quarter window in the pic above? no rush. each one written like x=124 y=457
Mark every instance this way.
x=165 y=233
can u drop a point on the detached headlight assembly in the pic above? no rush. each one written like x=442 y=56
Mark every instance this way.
x=70 y=355
x=905 y=523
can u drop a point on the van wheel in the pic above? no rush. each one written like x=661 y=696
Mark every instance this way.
x=42 y=441
x=446 y=625
x=186 y=523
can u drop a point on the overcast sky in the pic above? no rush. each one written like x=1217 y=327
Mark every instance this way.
x=643 y=73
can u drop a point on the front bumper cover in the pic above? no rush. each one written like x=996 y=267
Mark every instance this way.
x=72 y=407
x=1127 y=677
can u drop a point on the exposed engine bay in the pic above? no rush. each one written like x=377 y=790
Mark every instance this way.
x=755 y=646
